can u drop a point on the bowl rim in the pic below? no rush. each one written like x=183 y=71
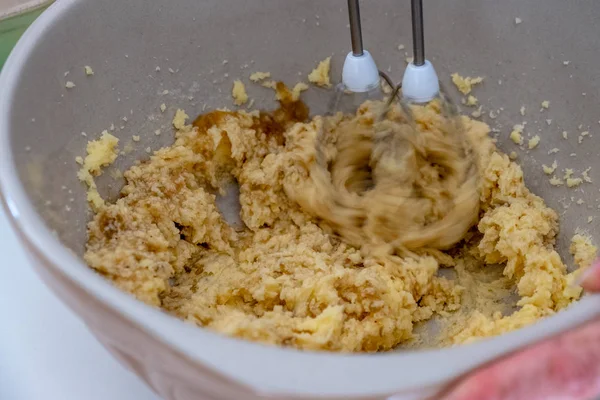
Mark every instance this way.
x=306 y=373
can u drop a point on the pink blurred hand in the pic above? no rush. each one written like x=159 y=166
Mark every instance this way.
x=565 y=367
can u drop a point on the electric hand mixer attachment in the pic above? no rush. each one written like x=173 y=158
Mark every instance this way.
x=395 y=171
x=361 y=78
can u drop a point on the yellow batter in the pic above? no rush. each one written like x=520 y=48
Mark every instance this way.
x=287 y=278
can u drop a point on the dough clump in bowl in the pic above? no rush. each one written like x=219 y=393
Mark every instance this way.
x=292 y=277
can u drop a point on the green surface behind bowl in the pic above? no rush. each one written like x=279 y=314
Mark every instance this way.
x=12 y=28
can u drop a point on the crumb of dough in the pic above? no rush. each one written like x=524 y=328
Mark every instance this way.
x=556 y=181
x=522 y=110
x=518 y=21
x=79 y=160
x=298 y=89
x=148 y=150
x=295 y=92
x=88 y=70
x=289 y=278
x=320 y=75
x=163 y=107
x=477 y=113
x=259 y=76
x=583 y=250
x=240 y=97
x=100 y=153
x=574 y=182
x=545 y=104
x=179 y=119
x=516 y=135
x=69 y=85
x=135 y=138
x=401 y=47
x=548 y=122
x=250 y=104
x=513 y=155
x=533 y=142
x=472 y=101
x=270 y=84
x=568 y=173
x=582 y=135
x=580 y=201
x=553 y=150
x=565 y=135
x=590 y=219
x=550 y=170
x=409 y=59
x=586 y=175
x=465 y=84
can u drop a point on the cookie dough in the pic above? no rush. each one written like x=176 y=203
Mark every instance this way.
x=240 y=97
x=320 y=75
x=100 y=153
x=297 y=273
x=385 y=182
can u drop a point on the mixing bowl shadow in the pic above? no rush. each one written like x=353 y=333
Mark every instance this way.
x=139 y=48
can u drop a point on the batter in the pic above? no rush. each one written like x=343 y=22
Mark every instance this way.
x=318 y=264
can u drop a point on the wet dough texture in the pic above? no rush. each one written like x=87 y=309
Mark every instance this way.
x=287 y=278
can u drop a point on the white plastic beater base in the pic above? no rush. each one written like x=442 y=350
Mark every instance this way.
x=360 y=74
x=420 y=83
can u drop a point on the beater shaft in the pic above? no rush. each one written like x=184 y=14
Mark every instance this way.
x=355 y=29
x=418 y=34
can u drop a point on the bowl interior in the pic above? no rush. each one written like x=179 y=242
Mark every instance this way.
x=194 y=50
x=201 y=47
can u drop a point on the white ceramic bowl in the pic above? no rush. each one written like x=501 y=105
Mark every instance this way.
x=124 y=42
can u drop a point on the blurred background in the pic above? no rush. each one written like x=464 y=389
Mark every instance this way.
x=15 y=17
